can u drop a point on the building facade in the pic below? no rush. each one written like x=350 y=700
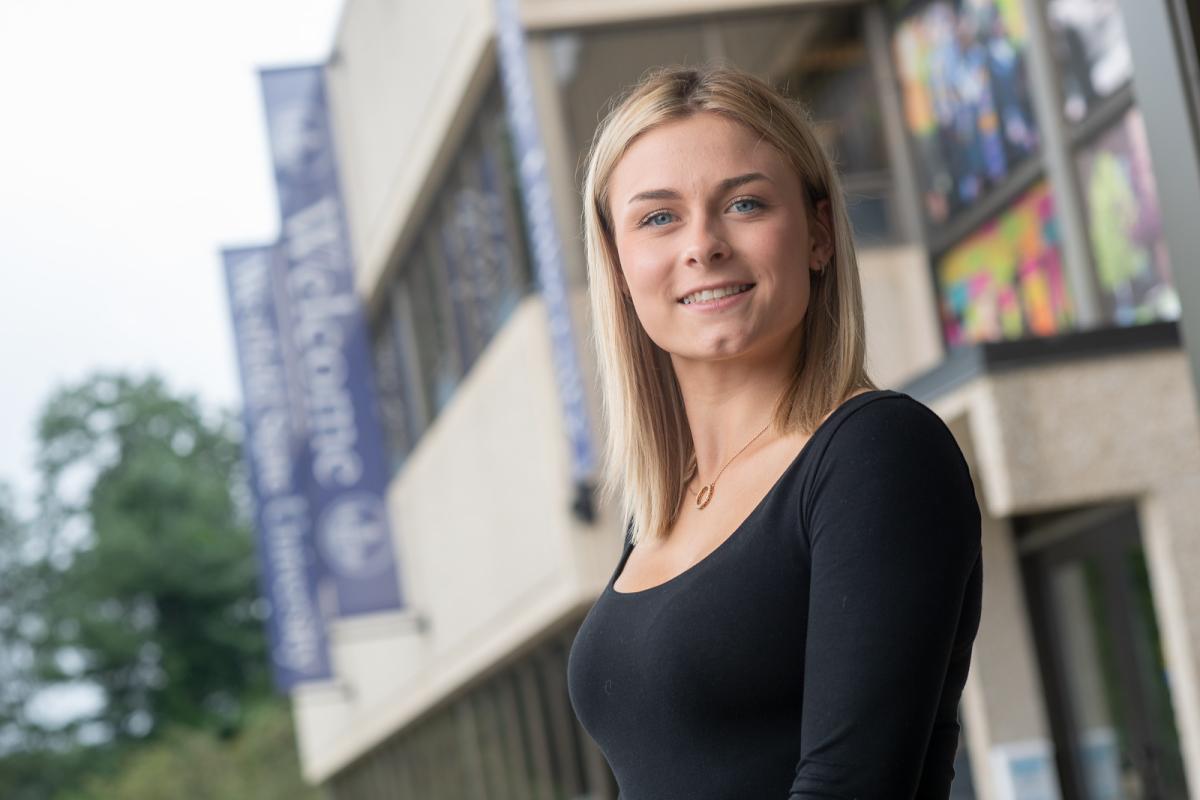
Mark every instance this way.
x=1019 y=193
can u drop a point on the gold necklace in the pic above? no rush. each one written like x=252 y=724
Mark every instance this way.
x=705 y=495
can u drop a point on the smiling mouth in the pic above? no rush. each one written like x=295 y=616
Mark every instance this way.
x=709 y=295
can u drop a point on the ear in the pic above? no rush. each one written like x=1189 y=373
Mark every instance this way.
x=821 y=235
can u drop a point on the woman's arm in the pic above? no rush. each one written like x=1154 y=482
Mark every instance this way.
x=894 y=534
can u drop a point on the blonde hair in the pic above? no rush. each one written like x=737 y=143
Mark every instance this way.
x=649 y=454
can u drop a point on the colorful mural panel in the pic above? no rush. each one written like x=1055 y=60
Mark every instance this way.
x=1006 y=280
x=1132 y=265
x=961 y=65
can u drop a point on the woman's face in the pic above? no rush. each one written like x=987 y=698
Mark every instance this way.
x=701 y=206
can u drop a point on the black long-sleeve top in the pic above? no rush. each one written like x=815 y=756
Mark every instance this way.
x=821 y=650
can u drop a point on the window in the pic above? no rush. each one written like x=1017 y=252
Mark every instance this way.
x=455 y=285
x=1091 y=51
x=1005 y=281
x=1124 y=225
x=968 y=110
x=962 y=75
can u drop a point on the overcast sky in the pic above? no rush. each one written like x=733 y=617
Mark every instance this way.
x=132 y=146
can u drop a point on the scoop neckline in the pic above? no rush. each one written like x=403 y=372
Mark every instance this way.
x=674 y=580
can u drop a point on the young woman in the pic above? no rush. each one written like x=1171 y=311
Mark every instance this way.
x=793 y=612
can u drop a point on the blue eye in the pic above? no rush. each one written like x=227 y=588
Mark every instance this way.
x=745 y=204
x=663 y=216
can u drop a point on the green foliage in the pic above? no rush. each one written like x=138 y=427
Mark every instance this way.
x=137 y=576
x=149 y=576
x=39 y=773
x=188 y=764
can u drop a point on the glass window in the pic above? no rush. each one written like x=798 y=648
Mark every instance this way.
x=437 y=345
x=488 y=281
x=961 y=68
x=460 y=279
x=449 y=259
x=1005 y=281
x=1091 y=50
x=390 y=390
x=1125 y=226
x=505 y=224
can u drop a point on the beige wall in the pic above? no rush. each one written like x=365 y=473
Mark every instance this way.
x=544 y=14
x=901 y=319
x=403 y=79
x=490 y=553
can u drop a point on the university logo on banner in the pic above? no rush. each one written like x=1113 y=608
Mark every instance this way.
x=348 y=469
x=274 y=453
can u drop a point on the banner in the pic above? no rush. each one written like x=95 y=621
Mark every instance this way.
x=273 y=440
x=348 y=468
x=545 y=245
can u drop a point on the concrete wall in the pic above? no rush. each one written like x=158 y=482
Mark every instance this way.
x=1068 y=435
x=403 y=79
x=542 y=14
x=488 y=548
x=901 y=316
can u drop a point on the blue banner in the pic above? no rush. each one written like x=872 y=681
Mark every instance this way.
x=348 y=474
x=273 y=440
x=547 y=249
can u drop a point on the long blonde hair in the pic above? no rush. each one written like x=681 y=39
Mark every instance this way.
x=650 y=456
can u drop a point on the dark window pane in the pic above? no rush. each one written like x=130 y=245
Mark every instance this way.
x=390 y=390
x=436 y=339
x=458 y=282
x=1091 y=50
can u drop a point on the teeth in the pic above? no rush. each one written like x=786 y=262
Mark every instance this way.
x=714 y=294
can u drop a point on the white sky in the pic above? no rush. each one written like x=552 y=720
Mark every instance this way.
x=132 y=146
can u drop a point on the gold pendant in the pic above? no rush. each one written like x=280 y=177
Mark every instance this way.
x=704 y=496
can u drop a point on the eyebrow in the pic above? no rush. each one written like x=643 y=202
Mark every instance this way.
x=723 y=186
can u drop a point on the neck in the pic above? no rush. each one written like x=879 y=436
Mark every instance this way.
x=728 y=402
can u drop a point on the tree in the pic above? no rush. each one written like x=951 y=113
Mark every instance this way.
x=149 y=580
x=188 y=764
x=36 y=762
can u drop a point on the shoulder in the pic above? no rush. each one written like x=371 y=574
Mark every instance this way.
x=891 y=445
x=891 y=453
x=893 y=424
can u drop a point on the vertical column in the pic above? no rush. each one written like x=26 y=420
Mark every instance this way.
x=1167 y=518
x=1008 y=738
x=906 y=192
x=1161 y=56
x=1056 y=155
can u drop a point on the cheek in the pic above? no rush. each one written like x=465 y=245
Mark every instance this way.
x=645 y=267
x=784 y=251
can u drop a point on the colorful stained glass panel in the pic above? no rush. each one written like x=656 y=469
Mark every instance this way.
x=1125 y=226
x=961 y=66
x=1006 y=280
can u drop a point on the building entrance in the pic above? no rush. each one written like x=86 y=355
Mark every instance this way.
x=1107 y=689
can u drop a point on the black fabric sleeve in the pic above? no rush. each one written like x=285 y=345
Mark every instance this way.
x=894 y=534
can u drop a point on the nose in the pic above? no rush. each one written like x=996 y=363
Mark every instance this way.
x=705 y=243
